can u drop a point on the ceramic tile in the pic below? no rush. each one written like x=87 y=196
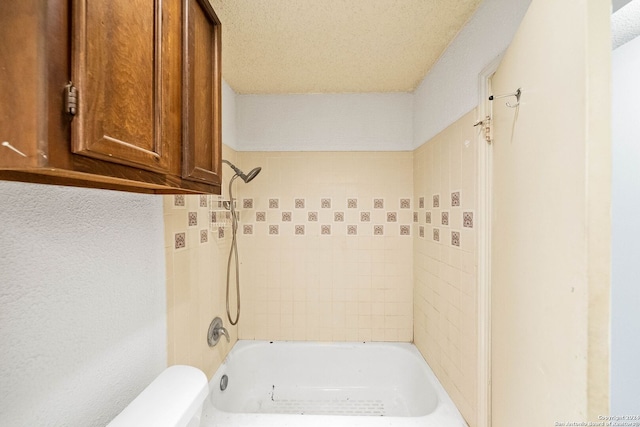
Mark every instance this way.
x=455 y=238
x=180 y=241
x=455 y=199
x=467 y=219
x=193 y=219
x=444 y=218
x=179 y=201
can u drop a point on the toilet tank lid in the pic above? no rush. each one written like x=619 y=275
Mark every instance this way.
x=171 y=400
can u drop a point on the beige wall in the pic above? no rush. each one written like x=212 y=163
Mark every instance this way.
x=334 y=286
x=445 y=266
x=195 y=280
x=550 y=269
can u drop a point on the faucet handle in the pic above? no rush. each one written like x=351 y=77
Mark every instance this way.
x=215 y=331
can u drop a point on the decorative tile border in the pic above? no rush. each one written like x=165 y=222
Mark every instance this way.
x=300 y=216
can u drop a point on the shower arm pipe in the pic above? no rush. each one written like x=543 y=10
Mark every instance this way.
x=246 y=177
x=235 y=169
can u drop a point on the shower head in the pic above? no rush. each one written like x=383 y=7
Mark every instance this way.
x=245 y=177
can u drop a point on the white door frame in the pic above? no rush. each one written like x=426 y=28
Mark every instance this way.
x=483 y=220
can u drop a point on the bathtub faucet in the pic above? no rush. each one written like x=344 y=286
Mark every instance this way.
x=216 y=330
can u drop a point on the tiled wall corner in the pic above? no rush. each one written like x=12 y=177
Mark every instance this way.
x=196 y=255
x=445 y=260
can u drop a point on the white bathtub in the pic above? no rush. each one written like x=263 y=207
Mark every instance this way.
x=318 y=384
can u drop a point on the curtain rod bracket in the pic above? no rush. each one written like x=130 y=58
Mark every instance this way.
x=517 y=94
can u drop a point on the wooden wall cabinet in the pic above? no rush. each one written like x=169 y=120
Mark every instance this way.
x=124 y=94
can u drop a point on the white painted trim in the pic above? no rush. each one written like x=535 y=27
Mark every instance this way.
x=485 y=156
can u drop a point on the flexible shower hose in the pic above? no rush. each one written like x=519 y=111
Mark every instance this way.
x=233 y=250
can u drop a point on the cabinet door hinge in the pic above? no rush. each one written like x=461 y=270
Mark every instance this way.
x=70 y=99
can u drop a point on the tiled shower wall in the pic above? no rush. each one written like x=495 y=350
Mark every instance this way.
x=325 y=246
x=339 y=246
x=196 y=266
x=445 y=260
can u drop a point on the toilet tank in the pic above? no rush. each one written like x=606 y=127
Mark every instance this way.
x=173 y=399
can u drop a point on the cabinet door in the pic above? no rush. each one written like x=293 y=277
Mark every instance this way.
x=201 y=156
x=22 y=83
x=117 y=68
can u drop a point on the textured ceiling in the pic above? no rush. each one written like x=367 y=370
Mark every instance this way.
x=335 y=46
